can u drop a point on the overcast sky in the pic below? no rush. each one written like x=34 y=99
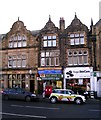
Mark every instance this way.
x=35 y=13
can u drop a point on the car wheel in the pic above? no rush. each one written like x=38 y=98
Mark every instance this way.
x=28 y=99
x=53 y=100
x=78 y=101
x=6 y=97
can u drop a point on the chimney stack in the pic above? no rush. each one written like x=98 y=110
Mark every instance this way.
x=62 y=24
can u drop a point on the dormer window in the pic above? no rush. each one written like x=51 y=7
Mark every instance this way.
x=76 y=39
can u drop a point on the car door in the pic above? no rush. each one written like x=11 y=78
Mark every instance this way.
x=67 y=95
x=20 y=94
x=61 y=95
x=11 y=93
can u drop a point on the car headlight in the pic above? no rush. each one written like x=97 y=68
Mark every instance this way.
x=33 y=95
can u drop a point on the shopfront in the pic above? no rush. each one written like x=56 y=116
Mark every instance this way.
x=49 y=77
x=18 y=79
x=80 y=80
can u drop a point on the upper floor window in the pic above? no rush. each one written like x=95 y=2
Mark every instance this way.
x=76 y=39
x=78 y=57
x=50 y=58
x=16 y=61
x=17 y=41
x=49 y=41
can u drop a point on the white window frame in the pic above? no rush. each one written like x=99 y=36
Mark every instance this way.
x=42 y=61
x=72 y=41
x=45 y=43
x=77 y=41
x=54 y=43
x=45 y=37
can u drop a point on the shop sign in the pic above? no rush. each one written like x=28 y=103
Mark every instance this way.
x=53 y=75
x=49 y=71
x=78 y=72
x=50 y=78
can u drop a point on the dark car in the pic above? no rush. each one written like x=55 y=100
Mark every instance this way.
x=18 y=93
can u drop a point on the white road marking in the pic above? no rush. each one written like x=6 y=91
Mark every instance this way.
x=42 y=107
x=22 y=115
x=96 y=110
x=36 y=107
x=17 y=105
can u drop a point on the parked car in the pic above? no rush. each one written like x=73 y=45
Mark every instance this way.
x=18 y=93
x=66 y=95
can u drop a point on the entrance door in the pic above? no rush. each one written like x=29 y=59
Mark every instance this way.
x=31 y=85
x=40 y=87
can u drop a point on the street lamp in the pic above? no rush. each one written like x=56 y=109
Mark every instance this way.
x=30 y=72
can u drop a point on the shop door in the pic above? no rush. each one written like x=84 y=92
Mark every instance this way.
x=31 y=85
x=40 y=87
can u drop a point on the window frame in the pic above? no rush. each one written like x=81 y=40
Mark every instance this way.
x=76 y=39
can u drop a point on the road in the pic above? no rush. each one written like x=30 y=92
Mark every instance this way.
x=44 y=109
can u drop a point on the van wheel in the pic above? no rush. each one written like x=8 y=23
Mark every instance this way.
x=28 y=99
x=53 y=100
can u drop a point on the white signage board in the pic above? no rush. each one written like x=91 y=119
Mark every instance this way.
x=78 y=72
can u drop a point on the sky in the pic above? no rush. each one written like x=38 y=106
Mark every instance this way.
x=35 y=13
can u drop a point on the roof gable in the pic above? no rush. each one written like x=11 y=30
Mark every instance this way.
x=76 y=25
x=49 y=27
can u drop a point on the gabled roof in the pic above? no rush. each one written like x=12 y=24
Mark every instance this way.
x=98 y=23
x=50 y=26
x=76 y=25
x=2 y=36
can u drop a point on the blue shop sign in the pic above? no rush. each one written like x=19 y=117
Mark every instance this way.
x=49 y=71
